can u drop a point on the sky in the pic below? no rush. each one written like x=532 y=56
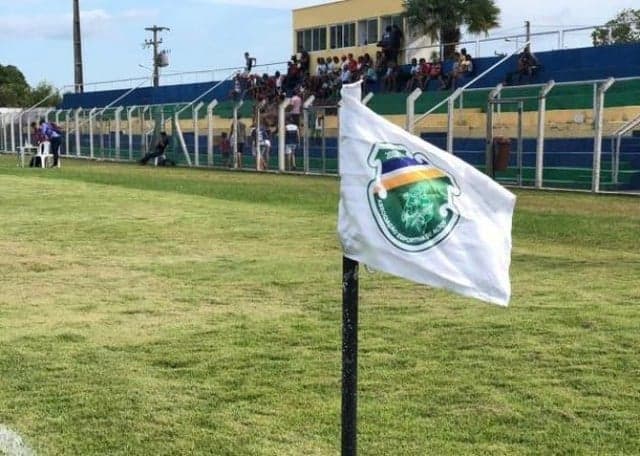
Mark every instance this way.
x=36 y=35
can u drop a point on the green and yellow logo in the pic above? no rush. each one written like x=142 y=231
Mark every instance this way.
x=411 y=200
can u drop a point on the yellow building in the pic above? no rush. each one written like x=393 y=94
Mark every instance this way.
x=347 y=26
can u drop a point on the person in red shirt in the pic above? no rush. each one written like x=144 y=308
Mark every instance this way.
x=425 y=72
x=435 y=74
x=37 y=136
x=352 y=63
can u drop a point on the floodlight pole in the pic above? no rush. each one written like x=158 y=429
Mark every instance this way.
x=77 y=49
x=349 y=356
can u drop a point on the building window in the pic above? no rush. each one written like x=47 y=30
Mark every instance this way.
x=342 y=35
x=391 y=21
x=311 y=39
x=367 y=32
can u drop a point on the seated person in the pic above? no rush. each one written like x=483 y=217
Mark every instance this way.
x=527 y=65
x=435 y=74
x=370 y=78
x=465 y=68
x=414 y=76
x=159 y=151
x=391 y=77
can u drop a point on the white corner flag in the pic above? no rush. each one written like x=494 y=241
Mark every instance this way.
x=415 y=211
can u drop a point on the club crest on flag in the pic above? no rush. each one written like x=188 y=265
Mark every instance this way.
x=411 y=200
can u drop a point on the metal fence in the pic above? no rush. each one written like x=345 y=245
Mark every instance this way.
x=553 y=38
x=577 y=135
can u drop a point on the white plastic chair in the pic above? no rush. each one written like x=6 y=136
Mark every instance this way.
x=44 y=152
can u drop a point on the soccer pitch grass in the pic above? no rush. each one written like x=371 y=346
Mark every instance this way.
x=149 y=311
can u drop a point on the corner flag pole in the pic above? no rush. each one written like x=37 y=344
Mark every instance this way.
x=349 y=355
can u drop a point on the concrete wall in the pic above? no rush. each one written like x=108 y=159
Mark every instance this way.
x=341 y=12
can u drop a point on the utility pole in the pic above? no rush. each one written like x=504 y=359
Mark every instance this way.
x=155 y=41
x=77 y=49
x=527 y=27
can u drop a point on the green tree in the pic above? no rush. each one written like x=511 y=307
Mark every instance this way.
x=442 y=20
x=625 y=28
x=44 y=90
x=16 y=92
x=13 y=86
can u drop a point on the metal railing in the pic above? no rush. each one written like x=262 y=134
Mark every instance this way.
x=616 y=143
x=504 y=44
x=596 y=128
x=182 y=77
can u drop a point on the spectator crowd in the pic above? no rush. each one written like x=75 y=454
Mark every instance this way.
x=381 y=73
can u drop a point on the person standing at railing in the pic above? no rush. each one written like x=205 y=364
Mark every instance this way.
x=225 y=150
x=397 y=37
x=385 y=43
x=54 y=137
x=292 y=143
x=296 y=106
x=241 y=139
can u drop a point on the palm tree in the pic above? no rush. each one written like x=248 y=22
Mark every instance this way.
x=441 y=20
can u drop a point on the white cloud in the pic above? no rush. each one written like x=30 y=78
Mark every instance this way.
x=59 y=26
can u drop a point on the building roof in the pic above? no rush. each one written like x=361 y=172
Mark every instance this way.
x=319 y=5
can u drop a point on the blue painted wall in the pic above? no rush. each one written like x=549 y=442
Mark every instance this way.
x=148 y=95
x=581 y=64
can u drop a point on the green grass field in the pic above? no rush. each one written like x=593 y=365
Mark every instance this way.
x=149 y=311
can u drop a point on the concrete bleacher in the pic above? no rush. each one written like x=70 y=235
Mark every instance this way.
x=580 y=64
x=566 y=157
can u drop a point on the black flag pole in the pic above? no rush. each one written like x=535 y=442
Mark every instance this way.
x=349 y=356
